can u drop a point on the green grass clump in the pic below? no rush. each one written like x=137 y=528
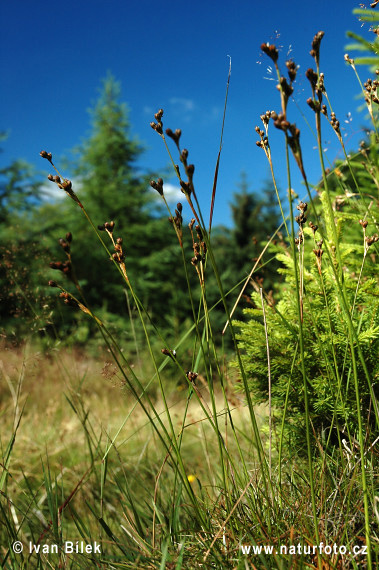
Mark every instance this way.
x=152 y=453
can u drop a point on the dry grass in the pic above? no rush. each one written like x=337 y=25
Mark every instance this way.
x=49 y=425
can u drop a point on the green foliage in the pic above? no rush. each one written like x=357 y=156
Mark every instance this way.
x=325 y=327
x=24 y=303
x=367 y=50
x=108 y=183
x=256 y=217
x=19 y=190
x=174 y=471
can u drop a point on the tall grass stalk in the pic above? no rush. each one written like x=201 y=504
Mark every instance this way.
x=180 y=498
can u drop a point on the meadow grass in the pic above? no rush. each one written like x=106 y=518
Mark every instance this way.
x=190 y=473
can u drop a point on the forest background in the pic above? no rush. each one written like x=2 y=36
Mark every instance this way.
x=266 y=434
x=106 y=169
x=113 y=190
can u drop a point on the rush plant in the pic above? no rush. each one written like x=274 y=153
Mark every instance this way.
x=219 y=478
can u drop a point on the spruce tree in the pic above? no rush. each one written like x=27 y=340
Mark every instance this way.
x=107 y=181
x=106 y=165
x=255 y=218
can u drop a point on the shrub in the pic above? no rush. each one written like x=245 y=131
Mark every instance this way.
x=325 y=328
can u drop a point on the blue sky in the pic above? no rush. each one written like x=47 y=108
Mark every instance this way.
x=173 y=55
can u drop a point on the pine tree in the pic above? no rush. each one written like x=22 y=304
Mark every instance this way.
x=106 y=168
x=107 y=181
x=255 y=218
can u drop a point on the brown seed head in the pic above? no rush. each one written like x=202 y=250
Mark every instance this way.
x=312 y=77
x=56 y=265
x=67 y=185
x=170 y=353
x=265 y=118
x=199 y=233
x=175 y=136
x=372 y=239
x=314 y=105
x=157 y=127
x=313 y=227
x=46 y=155
x=109 y=226
x=185 y=187
x=291 y=69
x=287 y=89
x=64 y=245
x=191 y=376
x=302 y=206
x=190 y=169
x=301 y=219
x=315 y=51
x=280 y=122
x=318 y=253
x=157 y=185
x=271 y=51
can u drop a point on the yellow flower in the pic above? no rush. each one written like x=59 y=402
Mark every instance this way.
x=191 y=478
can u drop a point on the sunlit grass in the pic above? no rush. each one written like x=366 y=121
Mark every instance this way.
x=160 y=455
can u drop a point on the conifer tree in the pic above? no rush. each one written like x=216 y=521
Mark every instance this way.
x=105 y=178
x=106 y=165
x=107 y=181
x=256 y=217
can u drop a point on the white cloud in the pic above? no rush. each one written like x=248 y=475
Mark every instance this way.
x=51 y=193
x=182 y=104
x=172 y=193
x=216 y=112
x=148 y=110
